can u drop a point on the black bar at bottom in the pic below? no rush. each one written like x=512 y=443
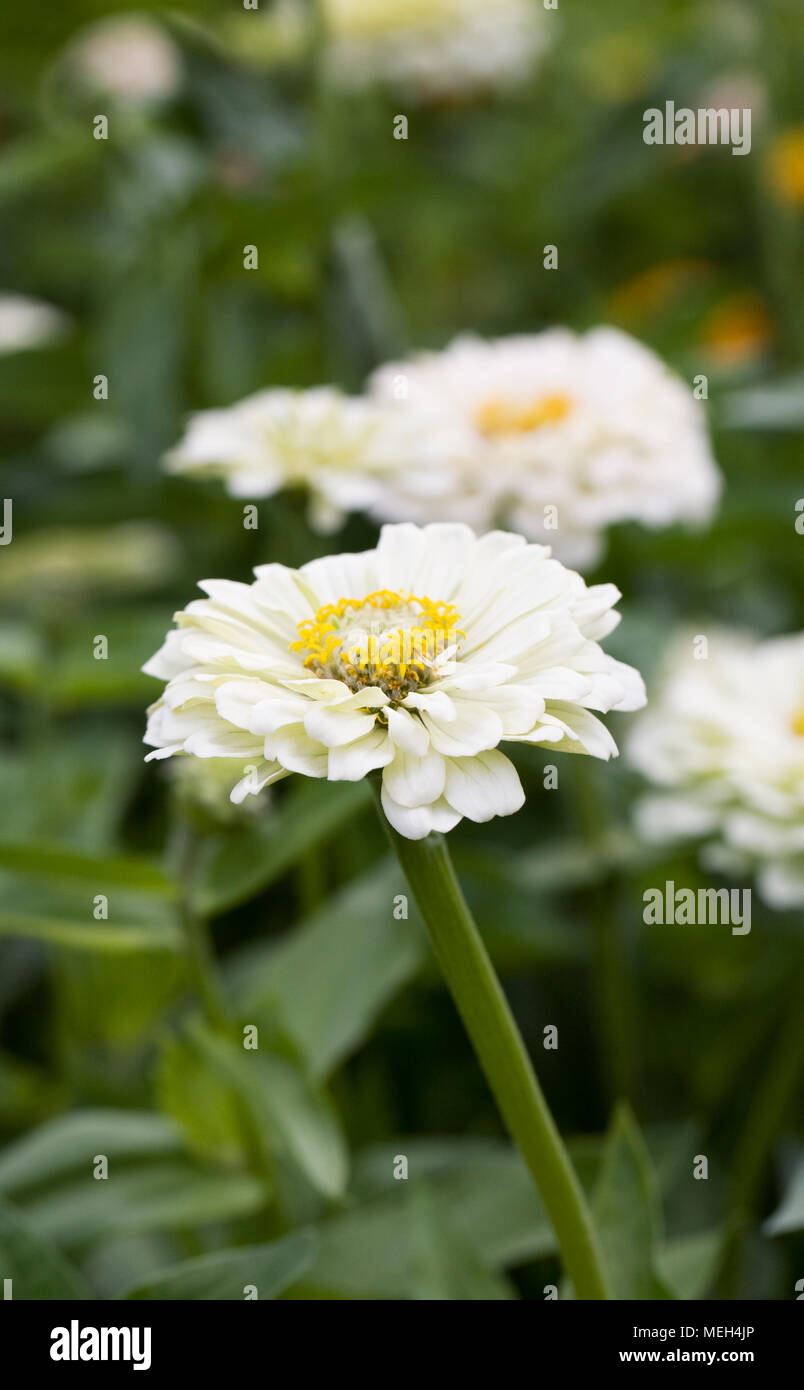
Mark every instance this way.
x=58 y=1339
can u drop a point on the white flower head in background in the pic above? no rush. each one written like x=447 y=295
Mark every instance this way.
x=206 y=784
x=555 y=434
x=418 y=658
x=435 y=48
x=29 y=323
x=724 y=740
x=126 y=57
x=335 y=447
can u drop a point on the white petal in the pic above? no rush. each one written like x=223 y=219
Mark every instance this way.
x=415 y=823
x=334 y=727
x=474 y=728
x=222 y=741
x=482 y=787
x=261 y=775
x=584 y=732
x=436 y=702
x=294 y=750
x=256 y=706
x=407 y=732
x=167 y=752
x=414 y=781
x=352 y=763
x=517 y=707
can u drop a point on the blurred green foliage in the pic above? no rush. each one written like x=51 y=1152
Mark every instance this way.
x=277 y=1169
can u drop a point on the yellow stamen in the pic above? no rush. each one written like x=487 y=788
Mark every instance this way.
x=498 y=416
x=797 y=721
x=397 y=656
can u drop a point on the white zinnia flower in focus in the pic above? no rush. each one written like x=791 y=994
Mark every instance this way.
x=418 y=657
x=28 y=323
x=434 y=48
x=336 y=447
x=594 y=426
x=724 y=739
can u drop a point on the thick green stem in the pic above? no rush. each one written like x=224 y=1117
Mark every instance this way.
x=501 y=1052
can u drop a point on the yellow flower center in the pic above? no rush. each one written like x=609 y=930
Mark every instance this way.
x=498 y=416
x=797 y=721
x=388 y=639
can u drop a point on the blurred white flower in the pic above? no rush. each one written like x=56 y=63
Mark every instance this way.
x=555 y=434
x=724 y=739
x=435 y=48
x=418 y=657
x=28 y=323
x=206 y=783
x=336 y=447
x=127 y=57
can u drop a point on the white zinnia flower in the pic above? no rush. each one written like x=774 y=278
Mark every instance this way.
x=28 y=323
x=418 y=657
x=336 y=447
x=724 y=738
x=593 y=426
x=434 y=48
x=126 y=57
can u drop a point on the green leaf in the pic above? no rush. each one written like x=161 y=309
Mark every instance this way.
x=390 y=1245
x=159 y=1196
x=248 y=859
x=483 y=1187
x=36 y=160
x=65 y=864
x=327 y=980
x=36 y=1269
x=292 y=1114
x=109 y=1003
x=625 y=1206
x=446 y=1263
x=28 y=1094
x=559 y=865
x=224 y=1274
x=68 y=790
x=71 y=1141
x=203 y=1104
x=94 y=936
x=688 y=1264
x=22 y=656
x=76 y=682
x=536 y=928
x=789 y=1215
x=39 y=910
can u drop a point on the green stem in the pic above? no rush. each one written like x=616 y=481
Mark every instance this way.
x=501 y=1052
